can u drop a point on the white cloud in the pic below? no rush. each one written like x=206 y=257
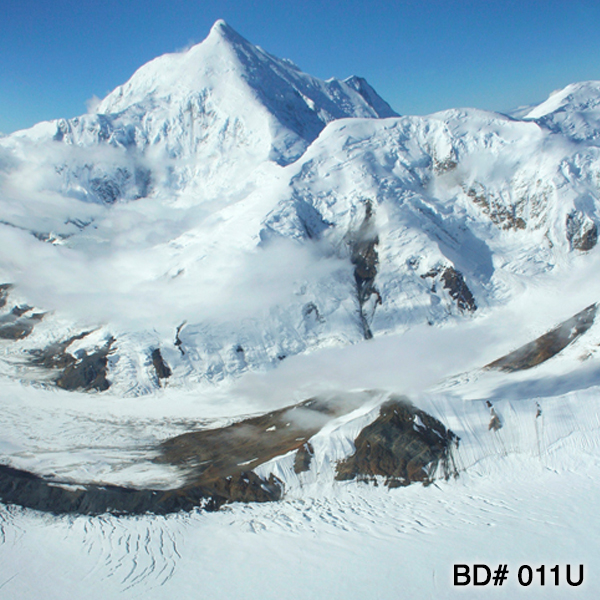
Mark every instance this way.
x=92 y=103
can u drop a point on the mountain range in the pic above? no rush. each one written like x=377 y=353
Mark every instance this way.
x=223 y=211
x=233 y=288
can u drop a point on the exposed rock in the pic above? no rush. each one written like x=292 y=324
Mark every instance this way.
x=19 y=311
x=16 y=325
x=88 y=371
x=163 y=371
x=82 y=371
x=506 y=217
x=365 y=259
x=55 y=356
x=246 y=486
x=178 y=342
x=404 y=445
x=445 y=165
x=547 y=345
x=213 y=456
x=582 y=232
x=4 y=290
x=219 y=464
x=303 y=458
x=454 y=282
x=31 y=491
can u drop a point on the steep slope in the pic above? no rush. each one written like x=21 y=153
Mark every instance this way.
x=219 y=214
x=573 y=111
x=199 y=121
x=381 y=225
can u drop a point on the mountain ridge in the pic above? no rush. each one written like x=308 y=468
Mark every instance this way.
x=189 y=237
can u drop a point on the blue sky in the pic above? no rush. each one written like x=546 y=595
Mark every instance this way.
x=421 y=55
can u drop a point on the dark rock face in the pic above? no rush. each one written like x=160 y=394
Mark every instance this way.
x=30 y=491
x=246 y=486
x=582 y=232
x=163 y=371
x=55 y=356
x=87 y=372
x=404 y=445
x=365 y=259
x=178 y=342
x=454 y=282
x=303 y=458
x=218 y=462
x=547 y=345
x=17 y=324
x=4 y=290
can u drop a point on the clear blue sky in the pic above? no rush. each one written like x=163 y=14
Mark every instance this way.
x=421 y=55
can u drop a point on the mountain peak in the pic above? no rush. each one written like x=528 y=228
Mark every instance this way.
x=227 y=77
x=221 y=30
x=584 y=95
x=573 y=111
x=220 y=27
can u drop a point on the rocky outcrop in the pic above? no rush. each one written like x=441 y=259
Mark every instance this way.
x=178 y=343
x=364 y=257
x=4 y=289
x=31 y=491
x=55 y=355
x=303 y=458
x=218 y=464
x=547 y=345
x=454 y=282
x=212 y=456
x=19 y=323
x=582 y=232
x=87 y=372
x=162 y=369
x=506 y=217
x=403 y=445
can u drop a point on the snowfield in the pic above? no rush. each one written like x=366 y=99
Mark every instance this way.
x=224 y=237
x=525 y=494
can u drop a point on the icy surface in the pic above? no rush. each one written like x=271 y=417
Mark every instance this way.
x=254 y=223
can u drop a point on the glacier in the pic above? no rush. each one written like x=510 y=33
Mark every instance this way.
x=223 y=237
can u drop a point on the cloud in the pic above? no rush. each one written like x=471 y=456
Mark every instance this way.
x=92 y=103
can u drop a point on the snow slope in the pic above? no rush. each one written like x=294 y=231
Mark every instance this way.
x=277 y=238
x=525 y=494
x=456 y=212
x=573 y=111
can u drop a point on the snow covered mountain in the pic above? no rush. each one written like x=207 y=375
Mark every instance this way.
x=201 y=120
x=234 y=281
x=223 y=211
x=573 y=111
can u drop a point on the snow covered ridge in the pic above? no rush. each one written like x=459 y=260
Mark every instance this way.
x=212 y=113
x=367 y=436
x=222 y=212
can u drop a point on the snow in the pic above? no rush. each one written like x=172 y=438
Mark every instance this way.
x=513 y=503
x=216 y=196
